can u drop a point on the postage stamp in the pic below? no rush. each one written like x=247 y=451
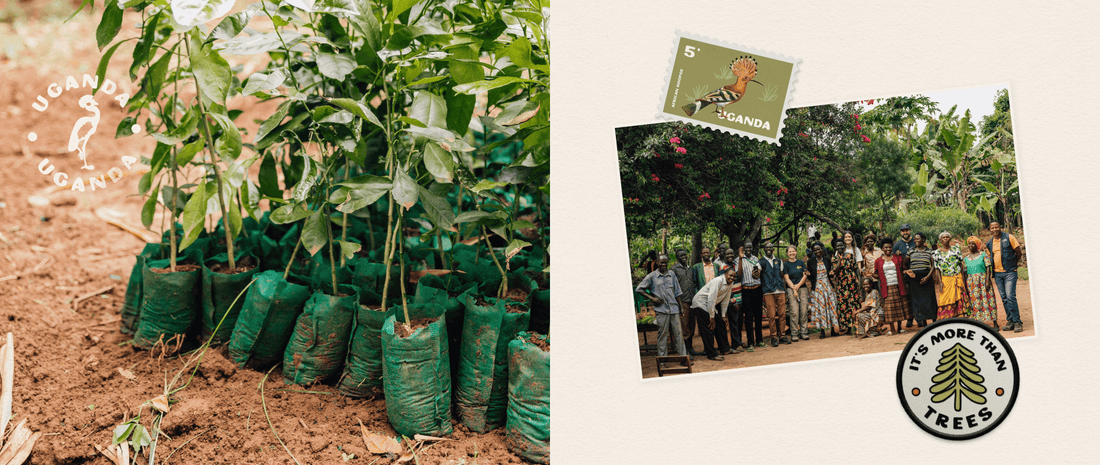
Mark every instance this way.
x=728 y=87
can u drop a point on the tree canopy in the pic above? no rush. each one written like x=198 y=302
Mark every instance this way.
x=837 y=165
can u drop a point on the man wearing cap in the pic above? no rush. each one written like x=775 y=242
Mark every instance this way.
x=1006 y=252
x=663 y=289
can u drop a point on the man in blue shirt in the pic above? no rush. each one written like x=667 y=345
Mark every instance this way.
x=775 y=295
x=663 y=289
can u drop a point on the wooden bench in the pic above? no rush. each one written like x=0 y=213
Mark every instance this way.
x=676 y=364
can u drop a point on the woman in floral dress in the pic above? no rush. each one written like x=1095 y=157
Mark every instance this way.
x=951 y=290
x=822 y=297
x=979 y=282
x=846 y=276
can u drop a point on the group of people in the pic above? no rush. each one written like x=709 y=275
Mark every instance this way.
x=865 y=287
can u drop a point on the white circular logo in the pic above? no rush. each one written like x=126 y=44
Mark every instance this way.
x=958 y=378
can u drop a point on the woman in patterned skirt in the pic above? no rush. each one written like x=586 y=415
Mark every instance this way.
x=979 y=282
x=922 y=288
x=822 y=297
x=951 y=292
x=869 y=316
x=889 y=268
x=846 y=275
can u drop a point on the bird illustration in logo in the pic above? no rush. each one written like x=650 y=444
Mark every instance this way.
x=84 y=128
x=745 y=69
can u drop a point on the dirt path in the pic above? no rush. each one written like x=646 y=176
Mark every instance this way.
x=831 y=347
x=67 y=382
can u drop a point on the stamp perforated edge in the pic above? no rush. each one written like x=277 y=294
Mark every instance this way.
x=662 y=115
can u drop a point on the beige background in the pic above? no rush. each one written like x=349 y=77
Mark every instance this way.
x=609 y=59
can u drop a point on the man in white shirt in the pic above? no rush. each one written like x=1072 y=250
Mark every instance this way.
x=709 y=303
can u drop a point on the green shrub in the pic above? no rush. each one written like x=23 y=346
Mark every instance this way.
x=934 y=220
x=1021 y=273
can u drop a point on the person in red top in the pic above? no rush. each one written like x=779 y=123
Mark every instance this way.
x=889 y=268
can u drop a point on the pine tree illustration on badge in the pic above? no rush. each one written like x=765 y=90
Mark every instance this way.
x=958 y=377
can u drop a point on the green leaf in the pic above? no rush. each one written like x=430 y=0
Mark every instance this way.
x=399 y=6
x=430 y=109
x=444 y=137
x=361 y=192
x=109 y=24
x=144 y=45
x=83 y=3
x=521 y=224
x=145 y=183
x=189 y=151
x=520 y=53
x=404 y=189
x=348 y=248
x=438 y=209
x=289 y=213
x=228 y=143
x=169 y=194
x=514 y=247
x=335 y=65
x=465 y=177
x=427 y=80
x=160 y=157
x=150 y=208
x=412 y=122
x=478 y=87
x=125 y=127
x=234 y=212
x=140 y=438
x=462 y=71
x=191 y=13
x=368 y=25
x=310 y=176
x=194 y=214
x=512 y=110
x=237 y=171
x=101 y=70
x=358 y=109
x=481 y=217
x=122 y=432
x=233 y=24
x=254 y=44
x=314 y=233
x=260 y=82
x=439 y=162
x=460 y=110
x=211 y=72
x=272 y=122
x=486 y=184
x=269 y=178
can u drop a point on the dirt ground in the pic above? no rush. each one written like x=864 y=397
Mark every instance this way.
x=830 y=347
x=67 y=380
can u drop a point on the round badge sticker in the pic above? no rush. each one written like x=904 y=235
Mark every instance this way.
x=958 y=378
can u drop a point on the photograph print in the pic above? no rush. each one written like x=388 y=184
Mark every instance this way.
x=869 y=220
